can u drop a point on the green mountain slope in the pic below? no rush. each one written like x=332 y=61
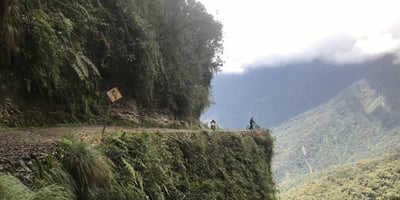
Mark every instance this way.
x=349 y=127
x=377 y=178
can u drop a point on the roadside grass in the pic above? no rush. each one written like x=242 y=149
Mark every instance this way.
x=12 y=189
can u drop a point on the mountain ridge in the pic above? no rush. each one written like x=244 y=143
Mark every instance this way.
x=342 y=113
x=347 y=128
x=273 y=95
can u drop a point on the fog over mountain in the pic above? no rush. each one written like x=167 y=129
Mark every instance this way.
x=286 y=31
x=273 y=95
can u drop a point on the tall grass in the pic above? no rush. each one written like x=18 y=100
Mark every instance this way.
x=88 y=167
x=12 y=189
x=52 y=192
x=57 y=175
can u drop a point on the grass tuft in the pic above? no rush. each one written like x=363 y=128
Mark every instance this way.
x=12 y=189
x=89 y=168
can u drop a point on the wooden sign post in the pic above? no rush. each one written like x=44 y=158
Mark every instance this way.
x=114 y=95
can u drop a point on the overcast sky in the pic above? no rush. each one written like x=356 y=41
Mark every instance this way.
x=273 y=32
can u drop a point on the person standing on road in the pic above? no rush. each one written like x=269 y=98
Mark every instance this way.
x=252 y=123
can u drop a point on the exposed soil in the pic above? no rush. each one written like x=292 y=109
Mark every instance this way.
x=19 y=139
x=20 y=148
x=22 y=142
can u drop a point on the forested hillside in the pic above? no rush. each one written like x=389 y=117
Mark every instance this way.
x=377 y=178
x=357 y=124
x=58 y=58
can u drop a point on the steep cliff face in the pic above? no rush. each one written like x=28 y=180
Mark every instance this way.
x=59 y=58
x=143 y=164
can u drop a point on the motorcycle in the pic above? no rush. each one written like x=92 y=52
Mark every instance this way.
x=255 y=127
x=213 y=127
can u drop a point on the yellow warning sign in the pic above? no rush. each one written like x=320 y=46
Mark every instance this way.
x=114 y=94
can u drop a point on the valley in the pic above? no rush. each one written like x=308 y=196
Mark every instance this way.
x=323 y=118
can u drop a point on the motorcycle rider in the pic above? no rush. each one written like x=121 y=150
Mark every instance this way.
x=213 y=124
x=252 y=123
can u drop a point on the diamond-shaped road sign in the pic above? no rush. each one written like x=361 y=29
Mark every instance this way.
x=114 y=94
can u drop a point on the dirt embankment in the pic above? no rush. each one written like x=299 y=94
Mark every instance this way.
x=20 y=148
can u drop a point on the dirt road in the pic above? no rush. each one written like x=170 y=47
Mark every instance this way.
x=19 y=146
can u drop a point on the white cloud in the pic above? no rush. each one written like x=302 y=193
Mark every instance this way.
x=282 y=31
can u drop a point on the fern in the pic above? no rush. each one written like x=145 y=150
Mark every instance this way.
x=137 y=178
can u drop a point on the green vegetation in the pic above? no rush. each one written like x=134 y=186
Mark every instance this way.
x=58 y=58
x=350 y=127
x=155 y=165
x=12 y=189
x=315 y=149
x=377 y=178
